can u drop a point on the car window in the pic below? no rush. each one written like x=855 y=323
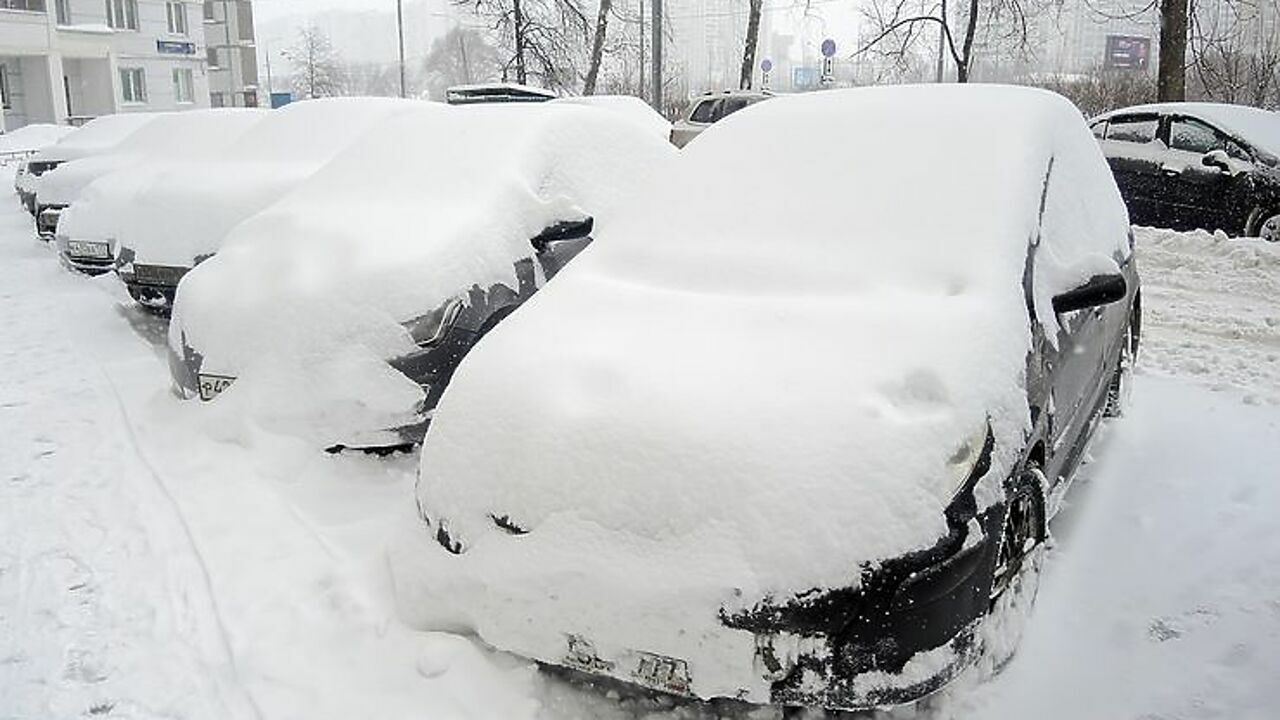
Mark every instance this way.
x=1194 y=136
x=733 y=105
x=705 y=112
x=1099 y=129
x=1134 y=129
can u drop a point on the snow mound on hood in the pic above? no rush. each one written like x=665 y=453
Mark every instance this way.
x=36 y=136
x=438 y=200
x=182 y=211
x=96 y=136
x=171 y=137
x=627 y=106
x=755 y=391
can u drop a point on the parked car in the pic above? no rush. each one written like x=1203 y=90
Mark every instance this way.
x=801 y=458
x=77 y=193
x=1197 y=165
x=711 y=108
x=179 y=216
x=17 y=145
x=339 y=313
x=96 y=136
x=628 y=106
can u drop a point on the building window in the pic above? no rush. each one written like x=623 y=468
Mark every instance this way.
x=182 y=85
x=209 y=13
x=133 y=85
x=177 y=14
x=4 y=88
x=122 y=14
x=64 y=12
x=31 y=5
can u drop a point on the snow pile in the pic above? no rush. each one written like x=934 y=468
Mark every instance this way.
x=180 y=212
x=172 y=137
x=305 y=302
x=30 y=138
x=97 y=135
x=1210 y=310
x=627 y=106
x=728 y=403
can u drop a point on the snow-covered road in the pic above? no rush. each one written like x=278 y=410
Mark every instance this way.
x=158 y=560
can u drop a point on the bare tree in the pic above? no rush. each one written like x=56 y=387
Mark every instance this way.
x=1234 y=53
x=1171 y=72
x=749 y=47
x=318 y=70
x=1101 y=90
x=597 y=48
x=546 y=38
x=461 y=56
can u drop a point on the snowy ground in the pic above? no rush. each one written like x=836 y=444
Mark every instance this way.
x=160 y=561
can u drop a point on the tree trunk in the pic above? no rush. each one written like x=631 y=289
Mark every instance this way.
x=1171 y=74
x=521 y=77
x=971 y=28
x=749 y=49
x=597 y=48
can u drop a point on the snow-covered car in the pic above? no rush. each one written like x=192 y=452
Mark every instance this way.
x=805 y=454
x=709 y=109
x=97 y=136
x=339 y=313
x=1197 y=165
x=17 y=145
x=628 y=106
x=180 y=215
x=80 y=193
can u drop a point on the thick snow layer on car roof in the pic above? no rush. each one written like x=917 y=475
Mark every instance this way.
x=182 y=211
x=96 y=136
x=33 y=137
x=756 y=390
x=435 y=202
x=1254 y=125
x=632 y=108
x=172 y=137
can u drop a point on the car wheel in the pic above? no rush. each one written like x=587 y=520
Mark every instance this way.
x=1121 y=382
x=1016 y=579
x=1269 y=229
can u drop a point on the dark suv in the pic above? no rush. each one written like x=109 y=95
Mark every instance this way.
x=1185 y=166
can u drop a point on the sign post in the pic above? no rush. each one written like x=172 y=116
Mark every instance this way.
x=766 y=67
x=828 y=62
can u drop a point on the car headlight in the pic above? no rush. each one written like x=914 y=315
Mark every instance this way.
x=966 y=458
x=428 y=329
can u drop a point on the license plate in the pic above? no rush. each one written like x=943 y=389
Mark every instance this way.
x=663 y=673
x=212 y=385
x=79 y=248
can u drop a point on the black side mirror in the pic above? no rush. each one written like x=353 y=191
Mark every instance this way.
x=563 y=230
x=1217 y=159
x=1099 y=290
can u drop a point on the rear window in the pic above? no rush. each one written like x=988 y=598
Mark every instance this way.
x=1137 y=129
x=733 y=105
x=705 y=112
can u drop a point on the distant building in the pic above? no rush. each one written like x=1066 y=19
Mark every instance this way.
x=72 y=60
x=232 y=53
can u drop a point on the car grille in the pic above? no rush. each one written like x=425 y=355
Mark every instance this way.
x=168 y=275
x=42 y=167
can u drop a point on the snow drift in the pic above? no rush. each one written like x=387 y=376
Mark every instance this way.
x=304 y=304
x=733 y=401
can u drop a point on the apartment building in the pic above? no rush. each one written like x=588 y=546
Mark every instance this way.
x=231 y=52
x=67 y=61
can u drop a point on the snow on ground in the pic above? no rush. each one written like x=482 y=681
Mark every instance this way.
x=157 y=563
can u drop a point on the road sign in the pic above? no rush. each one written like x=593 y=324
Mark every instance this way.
x=828 y=70
x=1125 y=52
x=828 y=48
x=804 y=78
x=766 y=65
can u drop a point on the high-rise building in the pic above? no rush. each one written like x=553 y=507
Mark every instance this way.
x=72 y=60
x=232 y=53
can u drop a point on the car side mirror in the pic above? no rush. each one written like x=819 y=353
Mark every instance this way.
x=1099 y=290
x=1217 y=159
x=563 y=230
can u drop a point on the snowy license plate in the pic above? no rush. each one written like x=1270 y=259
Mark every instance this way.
x=662 y=673
x=213 y=385
x=80 y=248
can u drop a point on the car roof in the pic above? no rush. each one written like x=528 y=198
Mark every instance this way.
x=1254 y=125
x=496 y=92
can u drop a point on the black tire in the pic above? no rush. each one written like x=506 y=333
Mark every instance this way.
x=1263 y=223
x=1121 y=380
x=1016 y=577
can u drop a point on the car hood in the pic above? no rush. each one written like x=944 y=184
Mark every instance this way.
x=63 y=184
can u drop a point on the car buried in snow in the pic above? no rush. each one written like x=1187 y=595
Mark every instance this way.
x=339 y=313
x=178 y=216
x=1187 y=166
x=836 y=493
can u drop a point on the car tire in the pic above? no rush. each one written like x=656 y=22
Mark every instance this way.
x=1016 y=577
x=1269 y=229
x=1121 y=385
x=1263 y=223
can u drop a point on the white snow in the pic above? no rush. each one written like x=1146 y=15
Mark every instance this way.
x=304 y=303
x=95 y=136
x=180 y=212
x=1254 y=125
x=731 y=405
x=628 y=106
x=30 y=138
x=169 y=138
x=153 y=567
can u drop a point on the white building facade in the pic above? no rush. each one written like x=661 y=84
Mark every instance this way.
x=232 y=53
x=68 y=61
